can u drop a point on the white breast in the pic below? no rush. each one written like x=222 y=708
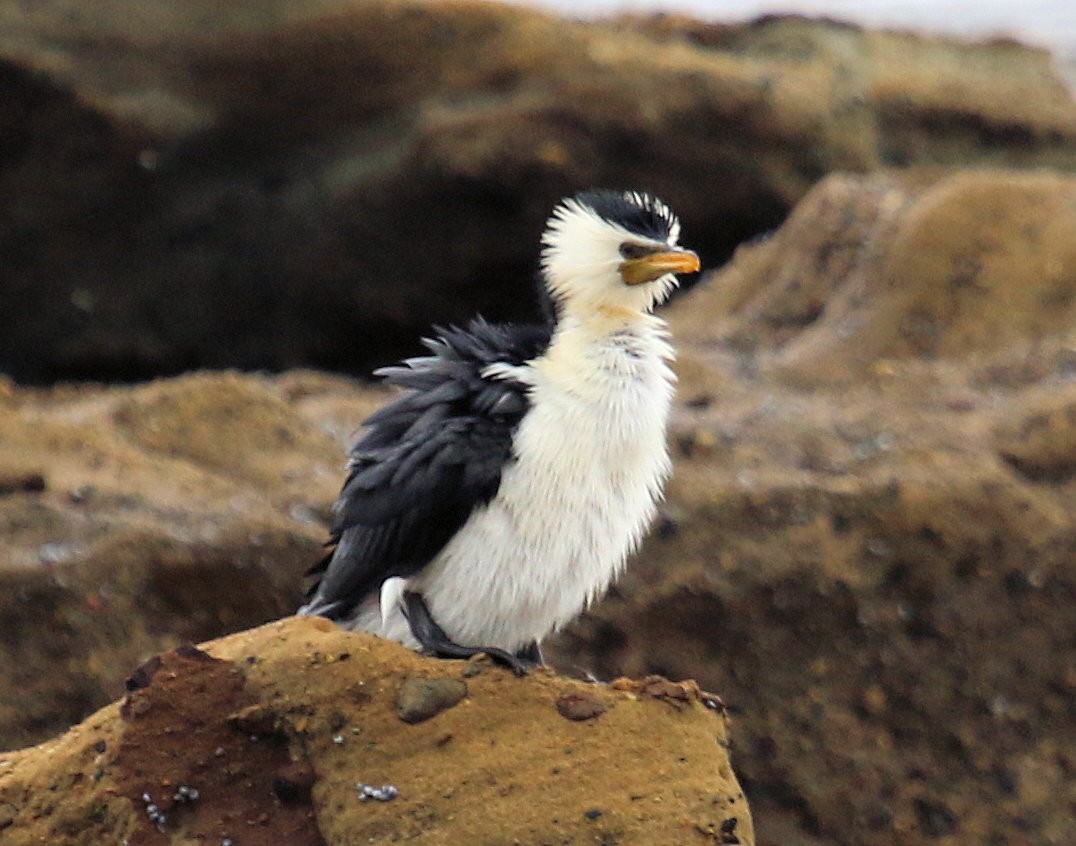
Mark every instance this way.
x=591 y=463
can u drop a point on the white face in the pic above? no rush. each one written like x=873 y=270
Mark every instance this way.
x=591 y=263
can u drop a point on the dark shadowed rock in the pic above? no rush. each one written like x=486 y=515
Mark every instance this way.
x=270 y=184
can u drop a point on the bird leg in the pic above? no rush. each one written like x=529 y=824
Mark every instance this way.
x=532 y=654
x=436 y=642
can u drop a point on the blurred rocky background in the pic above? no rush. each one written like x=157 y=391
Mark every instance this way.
x=869 y=547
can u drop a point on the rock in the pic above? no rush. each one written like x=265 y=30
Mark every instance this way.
x=580 y=705
x=892 y=266
x=1039 y=439
x=293 y=784
x=505 y=767
x=875 y=542
x=421 y=699
x=171 y=512
x=279 y=184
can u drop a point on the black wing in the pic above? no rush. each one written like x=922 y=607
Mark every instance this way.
x=426 y=461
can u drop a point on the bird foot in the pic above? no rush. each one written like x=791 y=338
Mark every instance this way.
x=434 y=641
x=532 y=653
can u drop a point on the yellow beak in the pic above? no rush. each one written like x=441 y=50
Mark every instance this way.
x=654 y=266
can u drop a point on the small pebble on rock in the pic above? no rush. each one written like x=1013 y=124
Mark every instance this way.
x=421 y=699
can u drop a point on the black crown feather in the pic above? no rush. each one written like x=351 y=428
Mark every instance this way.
x=640 y=213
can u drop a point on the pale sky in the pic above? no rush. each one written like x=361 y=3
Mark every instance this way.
x=1051 y=23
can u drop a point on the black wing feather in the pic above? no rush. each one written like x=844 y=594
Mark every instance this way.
x=425 y=461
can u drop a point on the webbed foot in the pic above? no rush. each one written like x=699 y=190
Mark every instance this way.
x=436 y=642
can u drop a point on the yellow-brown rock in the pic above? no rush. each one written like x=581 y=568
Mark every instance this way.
x=273 y=728
x=134 y=519
x=925 y=264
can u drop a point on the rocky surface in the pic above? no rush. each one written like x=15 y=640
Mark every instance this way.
x=276 y=184
x=868 y=550
x=135 y=519
x=270 y=736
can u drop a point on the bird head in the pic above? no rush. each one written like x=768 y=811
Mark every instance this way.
x=612 y=250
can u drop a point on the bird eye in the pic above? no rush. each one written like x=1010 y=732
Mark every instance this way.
x=630 y=251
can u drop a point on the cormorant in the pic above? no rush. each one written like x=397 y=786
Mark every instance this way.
x=501 y=492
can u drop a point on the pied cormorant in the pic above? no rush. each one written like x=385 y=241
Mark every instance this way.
x=501 y=492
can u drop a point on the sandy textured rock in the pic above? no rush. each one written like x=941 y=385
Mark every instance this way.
x=927 y=265
x=137 y=518
x=274 y=727
x=280 y=184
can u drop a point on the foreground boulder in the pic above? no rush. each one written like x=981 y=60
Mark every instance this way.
x=291 y=734
x=271 y=184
